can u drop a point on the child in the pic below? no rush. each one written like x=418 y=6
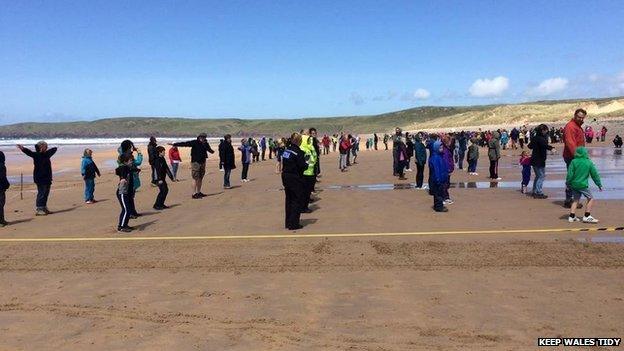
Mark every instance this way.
x=473 y=156
x=89 y=170
x=279 y=152
x=579 y=171
x=525 y=162
x=174 y=158
x=124 y=188
x=162 y=172
x=438 y=170
x=4 y=185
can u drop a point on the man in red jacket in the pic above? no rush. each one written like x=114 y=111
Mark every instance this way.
x=573 y=137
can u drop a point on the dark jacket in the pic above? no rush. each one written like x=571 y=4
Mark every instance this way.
x=42 y=174
x=226 y=155
x=540 y=147
x=125 y=172
x=473 y=152
x=293 y=161
x=162 y=169
x=421 y=152
x=152 y=155
x=4 y=182
x=409 y=144
x=494 y=152
x=199 y=150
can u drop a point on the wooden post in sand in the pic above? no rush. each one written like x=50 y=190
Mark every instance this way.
x=21 y=186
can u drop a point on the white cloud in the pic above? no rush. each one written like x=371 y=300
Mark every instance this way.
x=550 y=86
x=422 y=94
x=489 y=87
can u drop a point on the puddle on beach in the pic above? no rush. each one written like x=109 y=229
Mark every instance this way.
x=608 y=161
x=603 y=239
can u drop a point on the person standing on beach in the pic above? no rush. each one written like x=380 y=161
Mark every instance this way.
x=309 y=174
x=420 y=152
x=317 y=148
x=494 y=154
x=263 y=146
x=126 y=183
x=539 y=146
x=438 y=175
x=294 y=165
x=4 y=186
x=127 y=147
x=162 y=172
x=573 y=137
x=151 y=158
x=175 y=159
x=199 y=153
x=89 y=171
x=42 y=174
x=375 y=140
x=473 y=157
x=343 y=150
x=246 y=158
x=227 y=160
x=462 y=146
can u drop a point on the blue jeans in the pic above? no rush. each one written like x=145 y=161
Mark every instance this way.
x=472 y=166
x=43 y=191
x=226 y=176
x=89 y=189
x=540 y=174
x=174 y=169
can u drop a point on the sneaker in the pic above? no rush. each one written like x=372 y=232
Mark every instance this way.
x=41 y=213
x=499 y=178
x=45 y=209
x=158 y=208
x=196 y=196
x=89 y=202
x=589 y=219
x=572 y=220
x=448 y=202
x=444 y=209
x=200 y=194
x=475 y=173
x=124 y=230
x=227 y=187
x=409 y=170
x=540 y=196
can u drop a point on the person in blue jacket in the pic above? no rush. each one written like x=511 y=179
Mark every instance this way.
x=89 y=171
x=438 y=170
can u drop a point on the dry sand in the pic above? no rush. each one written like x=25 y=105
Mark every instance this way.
x=487 y=291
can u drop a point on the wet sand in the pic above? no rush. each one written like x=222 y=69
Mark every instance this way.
x=497 y=291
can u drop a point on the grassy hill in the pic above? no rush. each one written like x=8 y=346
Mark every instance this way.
x=411 y=119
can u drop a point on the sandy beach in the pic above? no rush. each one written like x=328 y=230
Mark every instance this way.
x=488 y=289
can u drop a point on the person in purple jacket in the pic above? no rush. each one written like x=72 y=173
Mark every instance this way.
x=447 y=156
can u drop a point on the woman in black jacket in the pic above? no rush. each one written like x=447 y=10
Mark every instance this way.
x=227 y=159
x=4 y=185
x=293 y=165
x=42 y=173
x=539 y=146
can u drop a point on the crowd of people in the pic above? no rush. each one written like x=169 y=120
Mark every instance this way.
x=298 y=162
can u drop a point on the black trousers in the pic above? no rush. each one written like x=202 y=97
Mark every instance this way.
x=2 y=203
x=124 y=216
x=420 y=174
x=309 y=182
x=154 y=181
x=437 y=191
x=163 y=190
x=263 y=153
x=493 y=169
x=130 y=202
x=245 y=171
x=294 y=190
x=43 y=192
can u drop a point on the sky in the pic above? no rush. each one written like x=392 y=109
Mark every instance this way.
x=83 y=60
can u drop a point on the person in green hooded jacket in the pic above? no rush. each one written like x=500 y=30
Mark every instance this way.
x=577 y=180
x=309 y=175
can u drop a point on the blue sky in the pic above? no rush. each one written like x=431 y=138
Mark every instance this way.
x=74 y=60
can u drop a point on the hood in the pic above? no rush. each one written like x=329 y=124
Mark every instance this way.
x=436 y=147
x=581 y=152
x=2 y=158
